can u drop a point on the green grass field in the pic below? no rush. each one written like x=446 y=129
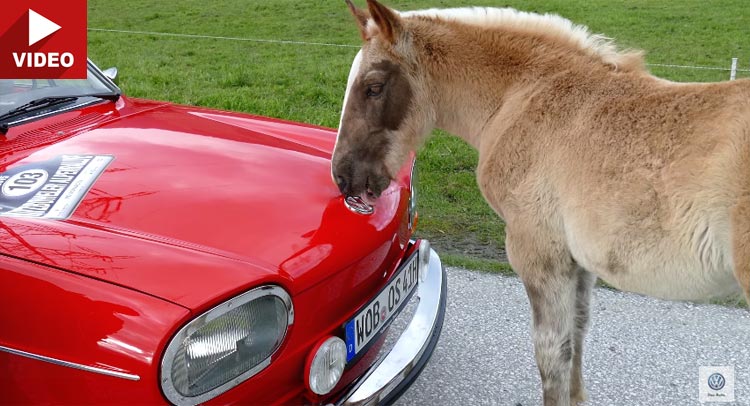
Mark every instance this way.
x=306 y=82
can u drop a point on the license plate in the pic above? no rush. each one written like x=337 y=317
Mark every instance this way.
x=376 y=315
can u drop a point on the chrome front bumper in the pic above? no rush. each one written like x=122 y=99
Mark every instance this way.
x=386 y=381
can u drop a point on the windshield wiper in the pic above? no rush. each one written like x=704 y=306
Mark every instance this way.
x=44 y=102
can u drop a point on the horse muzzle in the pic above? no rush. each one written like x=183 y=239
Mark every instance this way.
x=361 y=180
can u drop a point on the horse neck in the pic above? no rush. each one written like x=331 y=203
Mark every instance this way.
x=463 y=107
x=473 y=75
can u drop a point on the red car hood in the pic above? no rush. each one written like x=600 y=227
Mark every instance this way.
x=196 y=204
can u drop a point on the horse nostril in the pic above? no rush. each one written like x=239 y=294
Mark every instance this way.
x=342 y=183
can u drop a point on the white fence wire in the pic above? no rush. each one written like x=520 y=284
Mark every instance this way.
x=733 y=69
x=197 y=36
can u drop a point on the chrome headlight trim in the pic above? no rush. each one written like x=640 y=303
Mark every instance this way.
x=168 y=387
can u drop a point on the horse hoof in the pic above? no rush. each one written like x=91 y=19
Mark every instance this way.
x=579 y=397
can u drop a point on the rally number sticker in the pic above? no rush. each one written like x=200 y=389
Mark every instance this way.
x=50 y=189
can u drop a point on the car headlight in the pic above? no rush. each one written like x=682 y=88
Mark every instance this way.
x=226 y=345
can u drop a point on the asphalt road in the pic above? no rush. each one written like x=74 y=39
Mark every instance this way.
x=639 y=350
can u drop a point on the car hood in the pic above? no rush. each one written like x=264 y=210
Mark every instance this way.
x=191 y=205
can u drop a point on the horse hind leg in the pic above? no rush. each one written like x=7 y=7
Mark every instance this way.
x=741 y=244
x=584 y=287
x=550 y=278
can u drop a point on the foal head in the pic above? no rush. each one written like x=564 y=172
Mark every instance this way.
x=385 y=114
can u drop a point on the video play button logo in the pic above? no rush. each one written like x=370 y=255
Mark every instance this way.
x=40 y=27
x=46 y=42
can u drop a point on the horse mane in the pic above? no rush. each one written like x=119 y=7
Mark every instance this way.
x=560 y=28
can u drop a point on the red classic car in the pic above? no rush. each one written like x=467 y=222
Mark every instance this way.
x=154 y=253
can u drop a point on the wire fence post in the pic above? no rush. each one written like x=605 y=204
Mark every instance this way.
x=733 y=72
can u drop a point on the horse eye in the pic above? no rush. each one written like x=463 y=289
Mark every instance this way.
x=374 y=90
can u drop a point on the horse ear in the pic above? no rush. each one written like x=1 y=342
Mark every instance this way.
x=386 y=19
x=362 y=16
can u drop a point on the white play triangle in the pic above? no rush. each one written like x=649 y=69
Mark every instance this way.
x=39 y=27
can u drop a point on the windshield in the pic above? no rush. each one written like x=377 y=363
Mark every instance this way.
x=18 y=92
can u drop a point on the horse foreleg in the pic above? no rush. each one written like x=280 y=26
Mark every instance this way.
x=550 y=277
x=584 y=286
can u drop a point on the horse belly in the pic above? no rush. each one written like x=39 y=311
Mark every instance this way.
x=675 y=281
x=655 y=266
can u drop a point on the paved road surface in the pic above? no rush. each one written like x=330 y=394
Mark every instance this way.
x=639 y=351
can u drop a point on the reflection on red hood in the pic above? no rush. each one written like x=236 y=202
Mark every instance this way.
x=195 y=203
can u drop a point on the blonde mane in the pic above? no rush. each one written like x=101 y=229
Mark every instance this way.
x=550 y=24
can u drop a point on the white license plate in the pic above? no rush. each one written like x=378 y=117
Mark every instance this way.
x=370 y=321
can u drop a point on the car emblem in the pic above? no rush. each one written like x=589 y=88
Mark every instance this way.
x=357 y=205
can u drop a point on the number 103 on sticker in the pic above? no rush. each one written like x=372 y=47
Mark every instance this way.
x=24 y=182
